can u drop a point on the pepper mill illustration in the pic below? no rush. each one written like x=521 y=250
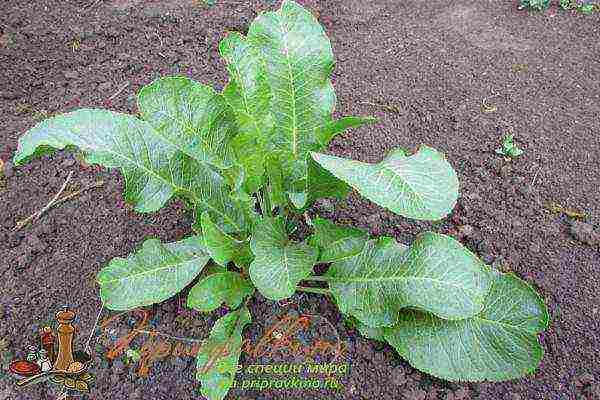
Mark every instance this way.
x=65 y=339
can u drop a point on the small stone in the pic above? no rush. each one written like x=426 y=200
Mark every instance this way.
x=179 y=362
x=398 y=376
x=14 y=239
x=8 y=169
x=505 y=170
x=515 y=396
x=9 y=95
x=69 y=162
x=485 y=251
x=35 y=243
x=115 y=379
x=466 y=231
x=585 y=233
x=104 y=87
x=326 y=205
x=487 y=258
x=373 y=220
x=594 y=392
x=461 y=394
x=24 y=260
x=118 y=366
x=534 y=248
x=584 y=379
x=71 y=74
x=525 y=189
x=415 y=395
x=500 y=264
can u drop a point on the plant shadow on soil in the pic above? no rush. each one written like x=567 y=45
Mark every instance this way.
x=432 y=63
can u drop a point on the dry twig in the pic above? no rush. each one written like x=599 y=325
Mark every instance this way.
x=92 y=5
x=56 y=200
x=385 y=107
x=118 y=92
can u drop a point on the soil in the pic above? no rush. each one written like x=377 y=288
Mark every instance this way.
x=436 y=67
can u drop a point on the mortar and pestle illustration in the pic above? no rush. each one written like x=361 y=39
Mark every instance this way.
x=68 y=363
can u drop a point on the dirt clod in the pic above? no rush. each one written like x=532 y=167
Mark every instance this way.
x=466 y=231
x=8 y=169
x=585 y=233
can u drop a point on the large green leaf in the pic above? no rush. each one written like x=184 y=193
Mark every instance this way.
x=249 y=95
x=436 y=274
x=154 y=170
x=153 y=274
x=500 y=343
x=279 y=264
x=191 y=116
x=334 y=128
x=299 y=62
x=221 y=246
x=319 y=184
x=199 y=123
x=154 y=167
x=225 y=287
x=276 y=191
x=423 y=186
x=336 y=242
x=216 y=363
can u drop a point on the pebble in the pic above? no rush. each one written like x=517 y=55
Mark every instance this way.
x=500 y=264
x=179 y=363
x=505 y=171
x=71 y=74
x=8 y=169
x=485 y=251
x=594 y=392
x=69 y=162
x=115 y=379
x=584 y=379
x=24 y=260
x=466 y=231
x=35 y=243
x=534 y=248
x=415 y=395
x=326 y=205
x=104 y=87
x=9 y=95
x=118 y=366
x=585 y=233
x=398 y=376
x=461 y=394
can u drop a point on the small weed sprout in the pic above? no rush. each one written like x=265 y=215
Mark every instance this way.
x=509 y=148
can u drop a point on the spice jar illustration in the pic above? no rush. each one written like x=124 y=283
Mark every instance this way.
x=43 y=361
x=32 y=354
x=65 y=339
x=48 y=339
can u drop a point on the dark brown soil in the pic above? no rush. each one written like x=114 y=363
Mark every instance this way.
x=432 y=63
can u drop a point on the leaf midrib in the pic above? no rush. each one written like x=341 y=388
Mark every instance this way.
x=170 y=183
x=396 y=278
x=137 y=275
x=293 y=89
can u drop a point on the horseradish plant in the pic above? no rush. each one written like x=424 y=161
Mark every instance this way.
x=248 y=161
